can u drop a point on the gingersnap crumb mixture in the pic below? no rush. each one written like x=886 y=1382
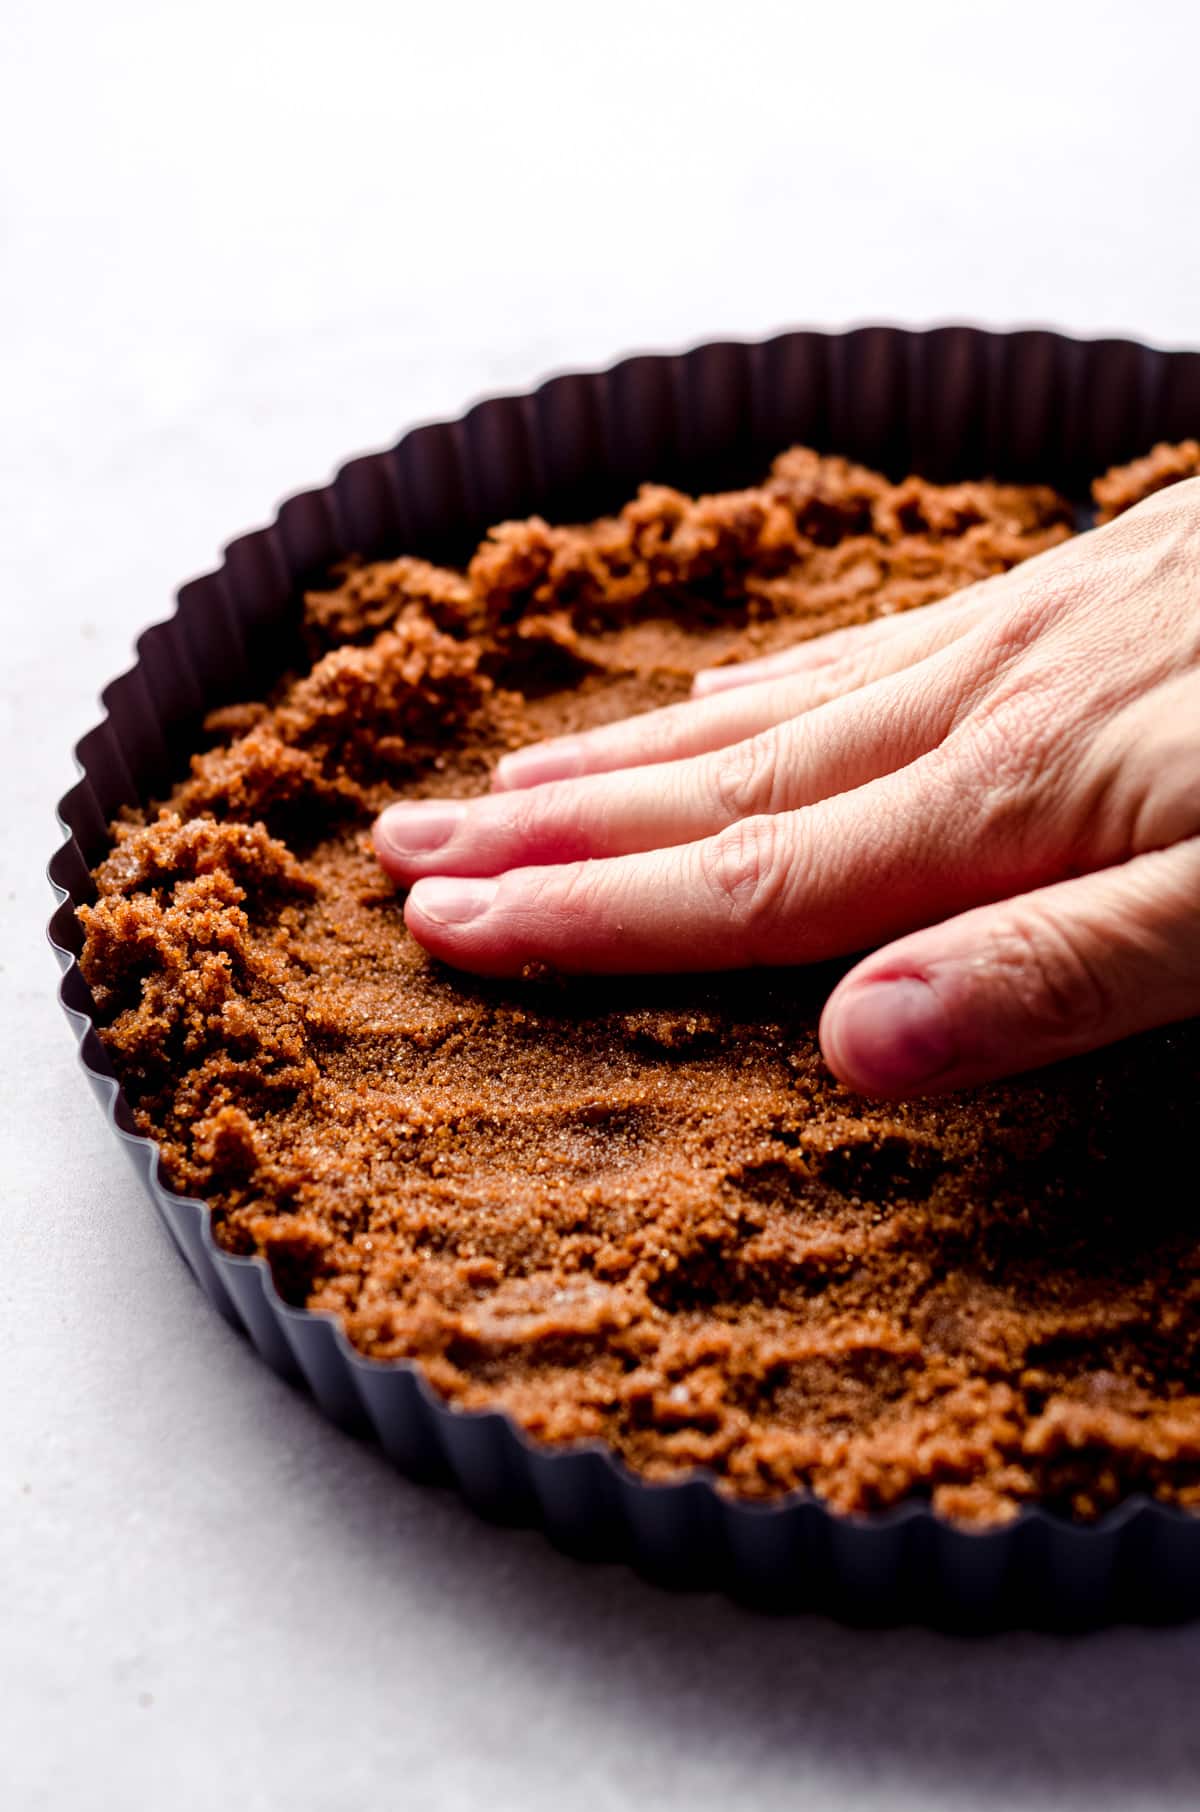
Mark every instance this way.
x=644 y=1211
x=1124 y=486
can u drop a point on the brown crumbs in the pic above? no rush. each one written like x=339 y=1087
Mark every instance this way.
x=643 y=1211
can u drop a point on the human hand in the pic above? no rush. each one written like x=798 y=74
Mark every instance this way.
x=1007 y=784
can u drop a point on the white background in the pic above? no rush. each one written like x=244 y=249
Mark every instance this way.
x=239 y=242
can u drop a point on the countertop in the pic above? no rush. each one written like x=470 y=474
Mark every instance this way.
x=240 y=243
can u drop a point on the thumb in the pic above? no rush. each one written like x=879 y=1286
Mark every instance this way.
x=1023 y=982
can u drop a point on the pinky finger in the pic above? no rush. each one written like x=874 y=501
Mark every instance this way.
x=889 y=642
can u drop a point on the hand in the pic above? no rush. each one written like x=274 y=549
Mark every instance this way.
x=1006 y=783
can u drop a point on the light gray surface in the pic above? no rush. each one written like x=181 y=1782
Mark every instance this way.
x=240 y=242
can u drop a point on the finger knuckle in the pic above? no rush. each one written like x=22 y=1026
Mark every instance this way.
x=743 y=776
x=1042 y=597
x=1059 y=990
x=520 y=816
x=538 y=890
x=555 y=814
x=848 y=673
x=1005 y=762
x=543 y=900
x=745 y=872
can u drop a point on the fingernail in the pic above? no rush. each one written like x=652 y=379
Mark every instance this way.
x=451 y=901
x=892 y=1035
x=414 y=827
x=540 y=762
x=715 y=679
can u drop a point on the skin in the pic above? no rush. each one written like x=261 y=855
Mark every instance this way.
x=999 y=796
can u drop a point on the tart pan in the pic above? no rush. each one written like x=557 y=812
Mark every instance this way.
x=949 y=402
